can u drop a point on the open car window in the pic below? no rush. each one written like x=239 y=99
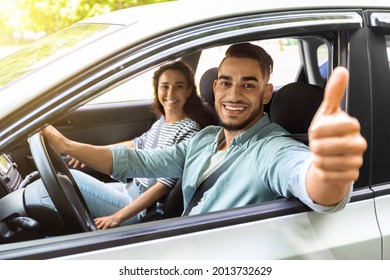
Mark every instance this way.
x=287 y=53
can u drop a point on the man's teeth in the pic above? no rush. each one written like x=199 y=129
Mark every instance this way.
x=234 y=108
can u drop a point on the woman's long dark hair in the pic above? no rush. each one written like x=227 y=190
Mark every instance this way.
x=194 y=107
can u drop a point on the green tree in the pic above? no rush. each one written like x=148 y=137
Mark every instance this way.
x=50 y=16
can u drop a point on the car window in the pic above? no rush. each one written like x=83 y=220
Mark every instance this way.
x=322 y=58
x=285 y=52
x=138 y=88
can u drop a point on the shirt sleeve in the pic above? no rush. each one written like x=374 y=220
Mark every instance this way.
x=149 y=163
x=301 y=193
x=119 y=163
x=289 y=171
x=184 y=134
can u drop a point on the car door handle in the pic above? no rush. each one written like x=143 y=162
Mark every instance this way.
x=64 y=124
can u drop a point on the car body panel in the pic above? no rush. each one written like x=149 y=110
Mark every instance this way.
x=298 y=236
x=301 y=236
x=382 y=204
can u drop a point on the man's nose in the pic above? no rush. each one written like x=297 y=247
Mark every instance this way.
x=235 y=92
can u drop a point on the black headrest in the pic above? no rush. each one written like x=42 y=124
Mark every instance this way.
x=294 y=106
x=206 y=85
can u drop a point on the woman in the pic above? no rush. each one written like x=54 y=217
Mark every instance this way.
x=181 y=114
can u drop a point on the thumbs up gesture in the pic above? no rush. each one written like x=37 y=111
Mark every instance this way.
x=337 y=144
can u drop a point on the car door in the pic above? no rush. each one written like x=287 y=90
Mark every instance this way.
x=378 y=31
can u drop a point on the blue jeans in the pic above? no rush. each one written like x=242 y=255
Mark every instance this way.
x=104 y=199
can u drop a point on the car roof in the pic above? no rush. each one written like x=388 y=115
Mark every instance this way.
x=189 y=11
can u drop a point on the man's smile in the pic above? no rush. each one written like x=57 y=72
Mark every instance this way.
x=235 y=107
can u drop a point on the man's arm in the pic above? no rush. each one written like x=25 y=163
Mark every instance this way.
x=97 y=157
x=337 y=144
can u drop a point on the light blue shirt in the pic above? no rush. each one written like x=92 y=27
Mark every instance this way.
x=272 y=165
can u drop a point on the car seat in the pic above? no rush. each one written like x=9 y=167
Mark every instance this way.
x=207 y=93
x=294 y=106
x=206 y=85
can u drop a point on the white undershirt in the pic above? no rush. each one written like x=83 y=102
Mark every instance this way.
x=216 y=160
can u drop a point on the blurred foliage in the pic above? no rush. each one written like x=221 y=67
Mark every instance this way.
x=49 y=16
x=46 y=50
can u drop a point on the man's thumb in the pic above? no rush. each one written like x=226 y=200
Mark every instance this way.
x=334 y=91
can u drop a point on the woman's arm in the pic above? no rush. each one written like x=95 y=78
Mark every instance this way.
x=152 y=195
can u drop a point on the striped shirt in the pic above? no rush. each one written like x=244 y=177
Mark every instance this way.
x=170 y=134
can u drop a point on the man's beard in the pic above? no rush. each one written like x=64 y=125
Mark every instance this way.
x=244 y=124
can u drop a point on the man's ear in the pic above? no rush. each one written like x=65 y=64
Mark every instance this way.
x=215 y=86
x=268 y=91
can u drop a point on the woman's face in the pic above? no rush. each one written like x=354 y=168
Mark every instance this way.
x=173 y=91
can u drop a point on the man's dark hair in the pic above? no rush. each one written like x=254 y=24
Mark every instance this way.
x=248 y=50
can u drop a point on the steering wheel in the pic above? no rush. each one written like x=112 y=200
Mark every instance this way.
x=61 y=186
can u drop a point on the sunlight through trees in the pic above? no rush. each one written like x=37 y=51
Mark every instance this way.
x=27 y=20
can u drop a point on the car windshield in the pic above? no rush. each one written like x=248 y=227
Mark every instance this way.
x=48 y=49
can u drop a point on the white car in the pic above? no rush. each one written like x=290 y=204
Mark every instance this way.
x=94 y=77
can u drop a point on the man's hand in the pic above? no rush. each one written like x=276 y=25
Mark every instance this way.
x=56 y=140
x=338 y=146
x=96 y=157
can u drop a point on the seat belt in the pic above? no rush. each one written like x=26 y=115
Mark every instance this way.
x=151 y=212
x=209 y=182
x=155 y=140
x=157 y=135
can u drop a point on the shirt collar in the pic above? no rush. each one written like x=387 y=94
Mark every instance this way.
x=246 y=135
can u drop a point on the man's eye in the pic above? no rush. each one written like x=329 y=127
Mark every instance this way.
x=225 y=84
x=248 y=86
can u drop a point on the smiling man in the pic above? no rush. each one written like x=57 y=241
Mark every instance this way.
x=241 y=92
x=269 y=165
